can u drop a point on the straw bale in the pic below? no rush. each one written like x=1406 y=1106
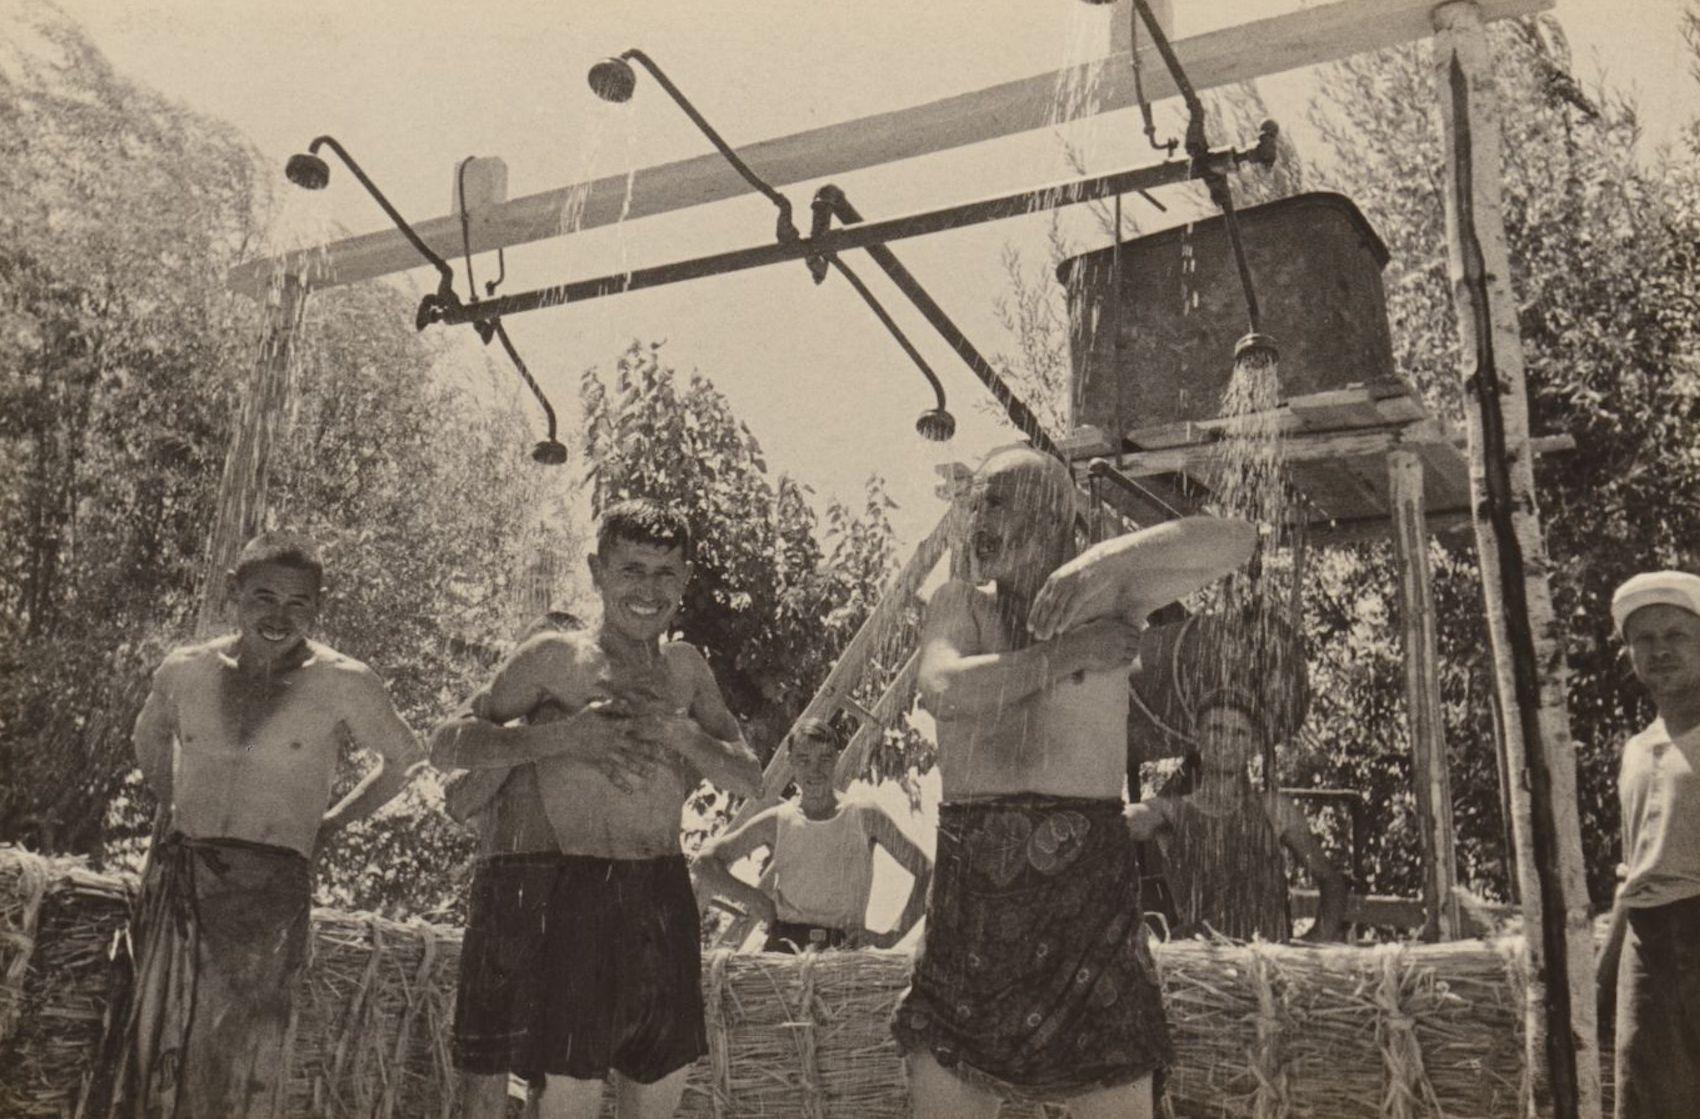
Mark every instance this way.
x=1403 y=1031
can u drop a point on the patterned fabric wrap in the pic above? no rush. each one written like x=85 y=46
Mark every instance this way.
x=218 y=937
x=1035 y=978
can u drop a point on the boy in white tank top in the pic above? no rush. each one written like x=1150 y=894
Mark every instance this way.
x=822 y=858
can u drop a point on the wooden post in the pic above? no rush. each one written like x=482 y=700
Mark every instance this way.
x=1528 y=657
x=1422 y=698
x=247 y=467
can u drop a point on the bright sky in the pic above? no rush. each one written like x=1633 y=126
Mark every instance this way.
x=411 y=87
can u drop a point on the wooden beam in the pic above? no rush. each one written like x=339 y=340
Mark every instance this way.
x=1218 y=58
x=1422 y=697
x=1393 y=911
x=1299 y=446
x=1528 y=650
x=1359 y=530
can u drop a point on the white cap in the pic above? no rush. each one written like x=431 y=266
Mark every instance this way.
x=1651 y=588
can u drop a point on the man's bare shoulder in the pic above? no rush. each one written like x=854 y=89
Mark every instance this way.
x=548 y=657
x=684 y=659
x=187 y=661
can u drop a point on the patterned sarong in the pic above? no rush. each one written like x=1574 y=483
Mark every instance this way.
x=218 y=937
x=1035 y=978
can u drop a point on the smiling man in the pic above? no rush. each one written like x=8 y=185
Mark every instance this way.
x=240 y=739
x=1654 y=947
x=587 y=964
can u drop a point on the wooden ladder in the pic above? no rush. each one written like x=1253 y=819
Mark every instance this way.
x=838 y=691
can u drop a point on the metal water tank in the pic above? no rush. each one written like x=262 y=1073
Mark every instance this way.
x=1316 y=264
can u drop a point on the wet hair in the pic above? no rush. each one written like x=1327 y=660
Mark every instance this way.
x=642 y=521
x=818 y=729
x=286 y=549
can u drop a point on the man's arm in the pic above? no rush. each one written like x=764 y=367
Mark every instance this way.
x=1147 y=819
x=1294 y=830
x=1132 y=575
x=714 y=863
x=156 y=733
x=708 y=737
x=475 y=737
x=958 y=681
x=467 y=792
x=372 y=724
x=883 y=830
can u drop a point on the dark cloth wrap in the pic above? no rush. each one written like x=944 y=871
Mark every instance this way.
x=574 y=965
x=216 y=941
x=1035 y=978
x=1658 y=1013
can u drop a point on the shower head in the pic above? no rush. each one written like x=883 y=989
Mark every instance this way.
x=307 y=171
x=613 y=80
x=936 y=425
x=550 y=452
x=1256 y=343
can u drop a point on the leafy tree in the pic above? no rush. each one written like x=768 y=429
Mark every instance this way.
x=122 y=354
x=1602 y=252
x=1602 y=243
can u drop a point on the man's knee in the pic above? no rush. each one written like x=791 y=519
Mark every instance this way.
x=937 y=1093
x=1128 y=1101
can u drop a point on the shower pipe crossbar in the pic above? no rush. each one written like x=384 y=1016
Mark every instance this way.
x=852 y=237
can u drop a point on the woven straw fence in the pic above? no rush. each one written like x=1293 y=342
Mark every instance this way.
x=1261 y=1031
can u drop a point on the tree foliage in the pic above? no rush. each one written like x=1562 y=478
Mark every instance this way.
x=122 y=357
x=1602 y=237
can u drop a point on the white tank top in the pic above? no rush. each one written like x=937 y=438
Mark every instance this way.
x=822 y=869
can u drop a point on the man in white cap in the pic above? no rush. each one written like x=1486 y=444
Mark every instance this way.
x=1654 y=948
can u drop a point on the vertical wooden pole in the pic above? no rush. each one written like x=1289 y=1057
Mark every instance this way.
x=1422 y=697
x=241 y=506
x=1528 y=656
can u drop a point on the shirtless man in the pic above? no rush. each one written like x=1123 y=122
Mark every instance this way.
x=240 y=739
x=1034 y=979
x=505 y=808
x=604 y=941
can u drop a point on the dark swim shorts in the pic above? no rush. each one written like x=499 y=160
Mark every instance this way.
x=1035 y=979
x=574 y=965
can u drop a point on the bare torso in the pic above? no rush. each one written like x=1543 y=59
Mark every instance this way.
x=1065 y=740
x=587 y=813
x=515 y=821
x=255 y=759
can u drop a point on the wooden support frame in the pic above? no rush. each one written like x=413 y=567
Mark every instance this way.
x=1218 y=58
x=1560 y=1028
x=1429 y=771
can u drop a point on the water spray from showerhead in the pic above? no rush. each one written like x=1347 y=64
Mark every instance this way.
x=613 y=80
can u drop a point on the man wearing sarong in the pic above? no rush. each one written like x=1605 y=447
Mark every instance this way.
x=240 y=739
x=1651 y=962
x=1034 y=978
